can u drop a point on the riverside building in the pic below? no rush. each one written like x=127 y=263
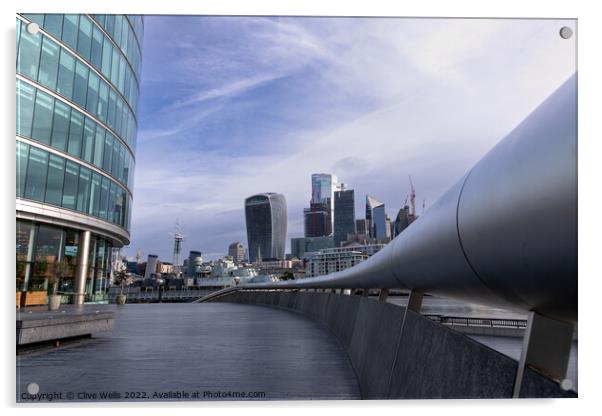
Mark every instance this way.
x=77 y=88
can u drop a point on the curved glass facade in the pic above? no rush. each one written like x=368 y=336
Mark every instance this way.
x=77 y=89
x=266 y=220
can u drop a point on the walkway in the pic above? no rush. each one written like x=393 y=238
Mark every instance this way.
x=207 y=351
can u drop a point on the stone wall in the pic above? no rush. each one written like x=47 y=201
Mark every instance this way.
x=399 y=355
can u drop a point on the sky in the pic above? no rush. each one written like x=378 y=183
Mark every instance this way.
x=234 y=106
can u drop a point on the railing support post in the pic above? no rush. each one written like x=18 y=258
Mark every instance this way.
x=415 y=301
x=383 y=295
x=546 y=347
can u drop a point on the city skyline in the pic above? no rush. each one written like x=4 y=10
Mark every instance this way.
x=208 y=141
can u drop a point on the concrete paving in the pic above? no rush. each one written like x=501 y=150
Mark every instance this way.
x=207 y=351
x=35 y=325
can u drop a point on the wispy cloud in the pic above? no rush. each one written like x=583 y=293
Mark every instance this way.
x=236 y=106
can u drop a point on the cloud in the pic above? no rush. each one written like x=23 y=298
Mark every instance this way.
x=248 y=105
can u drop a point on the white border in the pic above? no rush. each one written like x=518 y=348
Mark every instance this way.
x=590 y=68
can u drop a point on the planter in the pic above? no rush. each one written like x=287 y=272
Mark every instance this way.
x=121 y=299
x=54 y=302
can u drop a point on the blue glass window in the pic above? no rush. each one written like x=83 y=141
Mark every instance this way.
x=115 y=159
x=106 y=57
x=37 y=167
x=22 y=153
x=75 y=133
x=93 y=86
x=66 y=73
x=70 y=187
x=42 y=117
x=54 y=183
x=99 y=145
x=110 y=24
x=85 y=37
x=28 y=56
x=80 y=87
x=53 y=24
x=49 y=63
x=111 y=112
x=83 y=190
x=96 y=51
x=25 y=103
x=60 y=130
x=104 y=198
x=70 y=30
x=88 y=142
x=103 y=102
x=95 y=195
x=108 y=153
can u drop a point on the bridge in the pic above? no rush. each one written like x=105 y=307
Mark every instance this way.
x=505 y=236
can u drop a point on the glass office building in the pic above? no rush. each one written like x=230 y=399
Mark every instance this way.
x=344 y=215
x=77 y=88
x=265 y=216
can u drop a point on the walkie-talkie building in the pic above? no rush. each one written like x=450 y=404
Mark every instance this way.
x=265 y=216
x=78 y=82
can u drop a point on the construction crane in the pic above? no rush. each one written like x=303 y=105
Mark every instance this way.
x=412 y=197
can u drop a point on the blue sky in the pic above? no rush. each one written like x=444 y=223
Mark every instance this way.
x=232 y=106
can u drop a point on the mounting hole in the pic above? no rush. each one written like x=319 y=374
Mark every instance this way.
x=33 y=28
x=566 y=384
x=566 y=32
x=33 y=388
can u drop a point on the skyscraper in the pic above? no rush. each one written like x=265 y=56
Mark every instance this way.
x=78 y=80
x=371 y=204
x=237 y=252
x=265 y=216
x=379 y=219
x=344 y=215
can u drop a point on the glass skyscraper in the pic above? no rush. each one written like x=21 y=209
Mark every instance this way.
x=266 y=220
x=344 y=215
x=77 y=88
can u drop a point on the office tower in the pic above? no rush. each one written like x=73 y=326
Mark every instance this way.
x=319 y=218
x=237 y=252
x=151 y=266
x=316 y=220
x=344 y=215
x=371 y=204
x=78 y=80
x=402 y=220
x=302 y=245
x=194 y=259
x=265 y=216
x=360 y=226
x=379 y=222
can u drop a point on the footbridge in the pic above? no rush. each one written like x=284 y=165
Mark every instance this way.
x=504 y=235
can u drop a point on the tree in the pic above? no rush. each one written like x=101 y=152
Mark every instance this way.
x=121 y=278
x=288 y=275
x=61 y=269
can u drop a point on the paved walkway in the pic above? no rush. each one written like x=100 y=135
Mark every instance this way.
x=206 y=351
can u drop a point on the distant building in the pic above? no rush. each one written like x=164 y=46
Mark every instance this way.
x=266 y=218
x=166 y=268
x=323 y=186
x=344 y=215
x=194 y=260
x=300 y=246
x=237 y=251
x=371 y=204
x=402 y=220
x=151 y=266
x=333 y=260
x=360 y=226
x=379 y=219
x=317 y=220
